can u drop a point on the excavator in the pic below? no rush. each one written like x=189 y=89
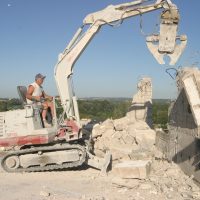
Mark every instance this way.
x=29 y=145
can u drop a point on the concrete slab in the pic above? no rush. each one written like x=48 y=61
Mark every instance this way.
x=139 y=169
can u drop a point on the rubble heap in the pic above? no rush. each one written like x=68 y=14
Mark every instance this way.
x=137 y=166
x=129 y=137
x=166 y=181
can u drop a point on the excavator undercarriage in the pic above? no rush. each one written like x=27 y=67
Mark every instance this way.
x=44 y=158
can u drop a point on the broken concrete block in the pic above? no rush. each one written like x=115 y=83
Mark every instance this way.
x=44 y=193
x=131 y=130
x=139 y=125
x=96 y=131
x=145 y=138
x=108 y=124
x=120 y=124
x=133 y=169
x=129 y=140
x=119 y=127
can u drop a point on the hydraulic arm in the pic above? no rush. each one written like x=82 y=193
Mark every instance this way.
x=159 y=45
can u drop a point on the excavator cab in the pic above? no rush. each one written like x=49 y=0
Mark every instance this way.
x=24 y=126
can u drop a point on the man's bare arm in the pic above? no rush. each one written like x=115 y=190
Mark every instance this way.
x=30 y=96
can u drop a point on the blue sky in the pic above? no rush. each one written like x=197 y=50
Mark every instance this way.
x=34 y=32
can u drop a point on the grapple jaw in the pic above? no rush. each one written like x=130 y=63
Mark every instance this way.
x=167 y=42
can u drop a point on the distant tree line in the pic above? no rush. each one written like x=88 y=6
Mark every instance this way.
x=11 y=104
x=101 y=110
x=160 y=114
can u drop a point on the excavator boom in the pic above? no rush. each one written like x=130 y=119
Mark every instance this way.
x=159 y=45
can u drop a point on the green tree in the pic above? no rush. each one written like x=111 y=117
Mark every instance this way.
x=160 y=114
x=3 y=106
x=14 y=104
x=102 y=109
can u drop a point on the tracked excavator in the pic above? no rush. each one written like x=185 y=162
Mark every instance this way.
x=30 y=146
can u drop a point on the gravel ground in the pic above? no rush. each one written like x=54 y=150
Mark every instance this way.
x=166 y=181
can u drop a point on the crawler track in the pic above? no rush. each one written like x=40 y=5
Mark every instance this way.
x=45 y=149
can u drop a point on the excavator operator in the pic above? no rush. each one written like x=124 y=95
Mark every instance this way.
x=36 y=94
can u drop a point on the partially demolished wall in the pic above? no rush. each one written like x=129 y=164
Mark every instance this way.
x=141 y=108
x=184 y=118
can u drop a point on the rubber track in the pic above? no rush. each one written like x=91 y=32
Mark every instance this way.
x=48 y=167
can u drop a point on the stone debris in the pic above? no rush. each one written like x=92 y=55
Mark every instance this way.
x=137 y=165
x=86 y=197
x=127 y=136
x=127 y=183
x=44 y=194
x=166 y=181
x=130 y=139
x=133 y=137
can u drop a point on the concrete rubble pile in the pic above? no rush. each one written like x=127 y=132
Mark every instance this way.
x=137 y=165
x=129 y=138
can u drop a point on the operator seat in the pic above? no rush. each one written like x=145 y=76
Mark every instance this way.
x=22 y=90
